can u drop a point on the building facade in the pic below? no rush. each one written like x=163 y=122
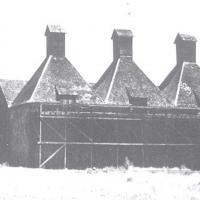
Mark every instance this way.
x=60 y=121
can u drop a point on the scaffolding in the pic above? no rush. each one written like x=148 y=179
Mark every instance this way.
x=63 y=133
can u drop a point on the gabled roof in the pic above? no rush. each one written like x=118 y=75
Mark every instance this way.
x=54 y=71
x=122 y=32
x=185 y=37
x=124 y=74
x=11 y=88
x=183 y=88
x=54 y=29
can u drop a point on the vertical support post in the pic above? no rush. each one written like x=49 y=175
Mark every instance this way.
x=65 y=158
x=91 y=156
x=117 y=140
x=165 y=141
x=91 y=129
x=142 y=147
x=117 y=151
x=40 y=139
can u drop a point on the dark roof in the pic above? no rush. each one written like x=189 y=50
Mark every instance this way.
x=185 y=37
x=168 y=78
x=3 y=102
x=54 y=29
x=183 y=86
x=124 y=74
x=11 y=88
x=54 y=71
x=122 y=33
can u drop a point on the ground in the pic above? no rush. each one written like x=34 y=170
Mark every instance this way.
x=95 y=184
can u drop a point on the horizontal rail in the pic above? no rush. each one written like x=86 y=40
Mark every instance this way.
x=118 y=144
x=117 y=118
x=81 y=117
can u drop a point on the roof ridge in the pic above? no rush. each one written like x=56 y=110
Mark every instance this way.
x=112 y=81
x=179 y=84
x=43 y=71
x=168 y=78
x=103 y=76
x=20 y=97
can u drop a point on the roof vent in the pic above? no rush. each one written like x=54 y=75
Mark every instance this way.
x=122 y=43
x=185 y=48
x=55 y=40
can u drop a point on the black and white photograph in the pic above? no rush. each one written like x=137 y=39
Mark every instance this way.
x=100 y=100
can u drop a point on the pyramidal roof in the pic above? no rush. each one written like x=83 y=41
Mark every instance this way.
x=182 y=86
x=11 y=89
x=57 y=71
x=53 y=72
x=124 y=74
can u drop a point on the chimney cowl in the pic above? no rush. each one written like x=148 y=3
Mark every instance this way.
x=55 y=36
x=122 y=33
x=185 y=37
x=122 y=43
x=54 y=29
x=185 y=48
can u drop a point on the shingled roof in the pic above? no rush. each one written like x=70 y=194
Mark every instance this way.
x=53 y=72
x=182 y=87
x=11 y=88
x=122 y=74
x=56 y=70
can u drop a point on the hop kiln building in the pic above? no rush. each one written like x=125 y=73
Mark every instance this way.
x=59 y=121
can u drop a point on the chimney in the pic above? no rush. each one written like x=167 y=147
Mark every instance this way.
x=122 y=43
x=55 y=37
x=185 y=48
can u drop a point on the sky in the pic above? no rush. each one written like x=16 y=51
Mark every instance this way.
x=89 y=25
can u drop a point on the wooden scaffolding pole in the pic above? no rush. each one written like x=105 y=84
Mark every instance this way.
x=40 y=140
x=65 y=154
x=142 y=147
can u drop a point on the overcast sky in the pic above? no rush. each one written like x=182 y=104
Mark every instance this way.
x=89 y=25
